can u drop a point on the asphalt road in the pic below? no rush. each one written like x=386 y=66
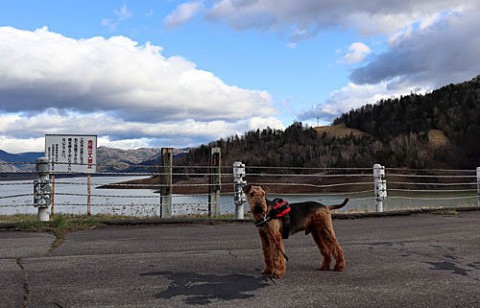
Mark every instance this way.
x=426 y=260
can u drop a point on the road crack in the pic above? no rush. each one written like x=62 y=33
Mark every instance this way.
x=26 y=288
x=59 y=239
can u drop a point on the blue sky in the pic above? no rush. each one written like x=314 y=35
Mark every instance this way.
x=182 y=73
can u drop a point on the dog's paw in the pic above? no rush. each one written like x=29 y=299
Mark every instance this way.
x=267 y=271
x=278 y=275
x=325 y=265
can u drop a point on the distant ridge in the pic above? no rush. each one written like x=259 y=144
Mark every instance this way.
x=109 y=159
x=28 y=157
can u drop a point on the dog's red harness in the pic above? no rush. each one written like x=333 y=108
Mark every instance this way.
x=280 y=210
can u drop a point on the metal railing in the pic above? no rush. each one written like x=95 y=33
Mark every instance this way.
x=193 y=192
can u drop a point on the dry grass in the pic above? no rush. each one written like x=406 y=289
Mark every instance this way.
x=437 y=139
x=339 y=131
x=59 y=223
x=71 y=223
x=59 y=219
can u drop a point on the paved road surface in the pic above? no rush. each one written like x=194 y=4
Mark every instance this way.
x=405 y=261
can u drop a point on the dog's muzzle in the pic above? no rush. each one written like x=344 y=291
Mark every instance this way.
x=258 y=209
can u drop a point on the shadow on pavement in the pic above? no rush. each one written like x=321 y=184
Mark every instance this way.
x=201 y=289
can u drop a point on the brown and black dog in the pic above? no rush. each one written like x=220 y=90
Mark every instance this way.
x=313 y=217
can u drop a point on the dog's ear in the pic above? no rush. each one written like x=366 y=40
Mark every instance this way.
x=265 y=188
x=247 y=188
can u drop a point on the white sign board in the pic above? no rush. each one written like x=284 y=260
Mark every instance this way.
x=71 y=153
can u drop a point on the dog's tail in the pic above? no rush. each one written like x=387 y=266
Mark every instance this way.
x=338 y=206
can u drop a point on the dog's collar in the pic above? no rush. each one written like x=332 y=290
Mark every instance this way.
x=279 y=209
x=262 y=221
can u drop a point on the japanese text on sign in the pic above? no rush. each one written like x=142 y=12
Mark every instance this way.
x=71 y=153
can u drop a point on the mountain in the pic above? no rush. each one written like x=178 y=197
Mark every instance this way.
x=7 y=168
x=109 y=160
x=440 y=129
x=410 y=123
x=139 y=160
x=22 y=157
x=116 y=160
x=6 y=157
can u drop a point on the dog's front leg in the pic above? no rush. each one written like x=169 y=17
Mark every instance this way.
x=267 y=252
x=279 y=261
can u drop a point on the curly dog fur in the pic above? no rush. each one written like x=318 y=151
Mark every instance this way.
x=313 y=217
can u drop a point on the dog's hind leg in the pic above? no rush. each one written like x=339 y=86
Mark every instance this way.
x=339 y=258
x=335 y=248
x=324 y=250
x=324 y=236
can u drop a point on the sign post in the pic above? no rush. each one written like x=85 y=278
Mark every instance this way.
x=72 y=154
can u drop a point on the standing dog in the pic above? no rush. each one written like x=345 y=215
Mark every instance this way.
x=313 y=217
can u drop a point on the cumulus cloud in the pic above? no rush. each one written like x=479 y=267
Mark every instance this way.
x=16 y=145
x=304 y=19
x=358 y=52
x=353 y=96
x=42 y=68
x=445 y=51
x=116 y=88
x=116 y=132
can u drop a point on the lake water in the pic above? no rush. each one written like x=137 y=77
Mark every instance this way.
x=16 y=197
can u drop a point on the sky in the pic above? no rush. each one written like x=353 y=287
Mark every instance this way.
x=165 y=73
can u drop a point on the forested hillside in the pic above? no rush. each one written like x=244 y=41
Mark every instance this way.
x=453 y=110
x=437 y=130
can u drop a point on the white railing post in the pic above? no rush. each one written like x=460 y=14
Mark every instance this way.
x=238 y=183
x=380 y=186
x=42 y=192
x=478 y=186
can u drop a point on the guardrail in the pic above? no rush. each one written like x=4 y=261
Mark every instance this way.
x=215 y=190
